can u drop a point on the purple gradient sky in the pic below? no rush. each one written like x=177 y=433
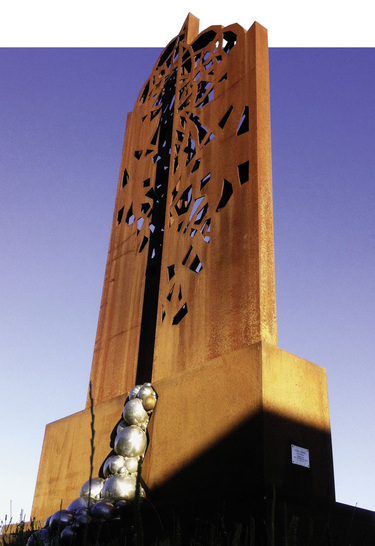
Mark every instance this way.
x=62 y=121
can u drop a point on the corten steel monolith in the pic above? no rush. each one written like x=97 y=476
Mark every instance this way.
x=189 y=296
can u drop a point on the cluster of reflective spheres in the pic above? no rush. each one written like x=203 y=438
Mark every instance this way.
x=102 y=499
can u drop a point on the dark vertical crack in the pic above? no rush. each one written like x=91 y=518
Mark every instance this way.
x=154 y=258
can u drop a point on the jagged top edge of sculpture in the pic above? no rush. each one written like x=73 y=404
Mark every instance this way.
x=174 y=42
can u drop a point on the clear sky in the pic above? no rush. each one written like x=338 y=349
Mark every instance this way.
x=62 y=121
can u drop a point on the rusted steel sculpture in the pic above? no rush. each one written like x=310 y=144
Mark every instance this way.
x=190 y=272
x=189 y=295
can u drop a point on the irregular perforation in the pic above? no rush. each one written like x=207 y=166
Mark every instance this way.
x=243 y=126
x=225 y=195
x=229 y=40
x=201 y=214
x=146 y=183
x=183 y=203
x=150 y=193
x=202 y=131
x=145 y=207
x=154 y=139
x=125 y=178
x=190 y=149
x=210 y=137
x=205 y=180
x=169 y=297
x=196 y=265
x=208 y=98
x=187 y=256
x=225 y=117
x=143 y=243
x=138 y=154
x=120 y=214
x=165 y=56
x=154 y=113
x=195 y=207
x=202 y=88
x=145 y=92
x=140 y=223
x=243 y=172
x=205 y=230
x=203 y=40
x=171 y=271
x=130 y=216
x=180 y=315
x=195 y=166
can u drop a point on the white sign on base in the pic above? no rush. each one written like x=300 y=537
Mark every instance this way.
x=300 y=456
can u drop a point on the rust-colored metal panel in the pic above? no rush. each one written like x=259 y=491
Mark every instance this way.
x=190 y=271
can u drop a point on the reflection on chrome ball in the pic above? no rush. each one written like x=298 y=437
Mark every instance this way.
x=133 y=393
x=67 y=535
x=102 y=510
x=131 y=442
x=146 y=390
x=134 y=412
x=149 y=402
x=119 y=487
x=131 y=464
x=60 y=519
x=81 y=502
x=120 y=426
x=94 y=491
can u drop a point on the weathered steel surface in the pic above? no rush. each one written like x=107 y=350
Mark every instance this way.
x=190 y=271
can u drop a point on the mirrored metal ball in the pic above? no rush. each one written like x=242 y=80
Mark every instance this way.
x=149 y=402
x=68 y=535
x=81 y=502
x=102 y=510
x=131 y=442
x=120 y=426
x=133 y=393
x=116 y=464
x=81 y=517
x=119 y=487
x=94 y=491
x=60 y=519
x=134 y=412
x=131 y=464
x=146 y=390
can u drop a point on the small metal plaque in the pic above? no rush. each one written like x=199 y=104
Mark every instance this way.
x=300 y=456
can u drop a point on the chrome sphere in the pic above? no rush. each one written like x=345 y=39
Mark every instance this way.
x=149 y=402
x=131 y=442
x=146 y=390
x=134 y=412
x=81 y=517
x=60 y=519
x=102 y=510
x=94 y=492
x=119 y=487
x=68 y=535
x=131 y=464
x=120 y=426
x=116 y=464
x=81 y=502
x=133 y=393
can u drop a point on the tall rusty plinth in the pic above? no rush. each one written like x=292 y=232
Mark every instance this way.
x=189 y=298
